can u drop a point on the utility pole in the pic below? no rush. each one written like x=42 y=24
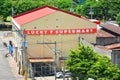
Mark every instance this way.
x=72 y=6
x=80 y=39
x=55 y=55
x=24 y=52
x=55 y=61
x=12 y=9
x=64 y=67
x=25 y=58
x=91 y=12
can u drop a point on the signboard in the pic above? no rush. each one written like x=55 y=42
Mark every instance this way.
x=24 y=43
x=61 y=31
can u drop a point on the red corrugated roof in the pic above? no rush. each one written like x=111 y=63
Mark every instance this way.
x=111 y=27
x=102 y=33
x=115 y=46
x=39 y=12
x=33 y=15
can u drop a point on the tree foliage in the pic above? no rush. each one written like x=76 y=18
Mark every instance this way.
x=85 y=62
x=102 y=9
x=118 y=18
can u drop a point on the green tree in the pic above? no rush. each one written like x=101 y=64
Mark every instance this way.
x=85 y=62
x=114 y=8
x=100 y=7
x=5 y=8
x=104 y=69
x=103 y=9
x=79 y=2
x=19 y=6
x=118 y=18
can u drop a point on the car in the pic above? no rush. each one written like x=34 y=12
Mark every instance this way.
x=60 y=74
x=67 y=74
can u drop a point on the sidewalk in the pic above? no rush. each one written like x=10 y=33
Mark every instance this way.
x=14 y=68
x=10 y=60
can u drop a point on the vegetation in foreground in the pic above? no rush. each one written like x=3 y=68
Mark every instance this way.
x=85 y=63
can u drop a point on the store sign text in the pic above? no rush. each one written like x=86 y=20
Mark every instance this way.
x=61 y=31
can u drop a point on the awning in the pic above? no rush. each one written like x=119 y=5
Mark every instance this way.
x=41 y=59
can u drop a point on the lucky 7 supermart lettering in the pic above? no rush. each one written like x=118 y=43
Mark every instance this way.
x=61 y=31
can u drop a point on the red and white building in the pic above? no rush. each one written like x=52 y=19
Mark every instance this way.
x=47 y=25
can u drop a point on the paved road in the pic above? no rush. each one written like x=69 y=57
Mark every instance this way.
x=5 y=69
x=8 y=66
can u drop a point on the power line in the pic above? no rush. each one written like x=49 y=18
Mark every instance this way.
x=55 y=56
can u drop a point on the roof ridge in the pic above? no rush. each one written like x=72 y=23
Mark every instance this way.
x=71 y=13
x=42 y=8
x=28 y=11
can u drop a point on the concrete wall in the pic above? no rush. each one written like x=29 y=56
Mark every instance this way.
x=58 y=20
x=116 y=57
x=65 y=42
x=107 y=40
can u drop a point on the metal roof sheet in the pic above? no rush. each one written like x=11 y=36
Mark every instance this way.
x=102 y=33
x=115 y=46
x=111 y=27
x=33 y=15
x=40 y=12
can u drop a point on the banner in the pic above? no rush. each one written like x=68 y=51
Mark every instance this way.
x=61 y=31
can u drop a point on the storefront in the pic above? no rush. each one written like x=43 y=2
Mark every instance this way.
x=48 y=31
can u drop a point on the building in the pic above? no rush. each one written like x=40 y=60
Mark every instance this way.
x=108 y=38
x=51 y=33
x=5 y=26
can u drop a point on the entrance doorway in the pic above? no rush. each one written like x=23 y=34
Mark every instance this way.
x=43 y=69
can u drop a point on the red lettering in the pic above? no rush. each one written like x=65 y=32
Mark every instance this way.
x=27 y=32
x=91 y=30
x=51 y=31
x=57 y=32
x=61 y=31
x=69 y=31
x=73 y=31
x=83 y=30
x=87 y=30
x=65 y=31
x=78 y=31
x=45 y=32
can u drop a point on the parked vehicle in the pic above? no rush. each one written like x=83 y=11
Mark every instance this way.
x=60 y=74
